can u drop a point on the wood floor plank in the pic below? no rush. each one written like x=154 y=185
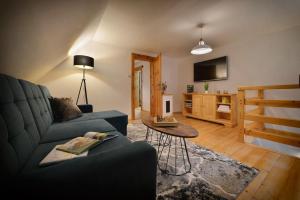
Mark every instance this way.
x=276 y=179
x=253 y=157
x=224 y=147
x=250 y=191
x=291 y=188
x=267 y=162
x=242 y=152
x=235 y=147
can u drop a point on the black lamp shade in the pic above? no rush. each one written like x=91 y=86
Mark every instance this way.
x=83 y=62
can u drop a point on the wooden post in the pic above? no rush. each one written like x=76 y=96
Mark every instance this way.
x=261 y=109
x=241 y=112
x=152 y=91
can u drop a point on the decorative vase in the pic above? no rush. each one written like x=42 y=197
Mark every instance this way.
x=206 y=91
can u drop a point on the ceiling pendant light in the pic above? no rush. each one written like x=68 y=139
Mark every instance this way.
x=202 y=47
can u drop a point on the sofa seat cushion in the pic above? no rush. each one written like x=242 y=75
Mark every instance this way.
x=43 y=149
x=117 y=119
x=67 y=130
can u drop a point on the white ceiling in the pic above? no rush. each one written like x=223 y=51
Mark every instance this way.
x=170 y=26
x=36 y=35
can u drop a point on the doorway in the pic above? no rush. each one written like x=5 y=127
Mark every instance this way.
x=143 y=98
x=142 y=88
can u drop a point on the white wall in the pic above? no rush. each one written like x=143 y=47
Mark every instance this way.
x=108 y=84
x=170 y=75
x=266 y=60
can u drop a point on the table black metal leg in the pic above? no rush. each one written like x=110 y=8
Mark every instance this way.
x=163 y=145
x=147 y=134
x=170 y=142
x=182 y=151
x=187 y=155
x=151 y=136
x=166 y=141
x=159 y=141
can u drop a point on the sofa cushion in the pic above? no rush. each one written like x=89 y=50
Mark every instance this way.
x=43 y=149
x=18 y=132
x=38 y=106
x=64 y=109
x=117 y=119
x=67 y=130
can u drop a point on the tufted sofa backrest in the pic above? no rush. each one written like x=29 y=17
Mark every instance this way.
x=19 y=135
x=47 y=95
x=38 y=106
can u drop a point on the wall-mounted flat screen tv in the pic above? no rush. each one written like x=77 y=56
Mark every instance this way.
x=211 y=70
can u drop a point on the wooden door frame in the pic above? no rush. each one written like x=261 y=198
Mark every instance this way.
x=153 y=89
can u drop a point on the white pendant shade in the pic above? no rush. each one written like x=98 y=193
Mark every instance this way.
x=201 y=48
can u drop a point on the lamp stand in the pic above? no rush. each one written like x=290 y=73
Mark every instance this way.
x=85 y=91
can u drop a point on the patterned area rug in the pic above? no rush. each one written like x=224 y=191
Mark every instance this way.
x=213 y=176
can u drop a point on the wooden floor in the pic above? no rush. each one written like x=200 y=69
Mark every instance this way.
x=279 y=176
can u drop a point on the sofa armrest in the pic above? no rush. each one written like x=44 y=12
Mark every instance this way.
x=127 y=173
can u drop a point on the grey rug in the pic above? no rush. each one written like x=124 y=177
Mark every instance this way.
x=213 y=176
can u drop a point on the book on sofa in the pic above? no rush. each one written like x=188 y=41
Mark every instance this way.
x=76 y=147
x=56 y=156
x=79 y=145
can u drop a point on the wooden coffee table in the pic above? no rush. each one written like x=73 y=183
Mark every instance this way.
x=172 y=136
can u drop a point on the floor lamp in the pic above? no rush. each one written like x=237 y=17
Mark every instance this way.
x=84 y=63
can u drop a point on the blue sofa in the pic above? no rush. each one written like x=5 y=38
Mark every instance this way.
x=115 y=169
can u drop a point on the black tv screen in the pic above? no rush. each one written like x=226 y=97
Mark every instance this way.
x=211 y=70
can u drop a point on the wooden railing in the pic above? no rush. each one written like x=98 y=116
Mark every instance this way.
x=257 y=127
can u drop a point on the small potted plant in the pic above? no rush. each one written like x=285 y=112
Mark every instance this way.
x=206 y=87
x=163 y=87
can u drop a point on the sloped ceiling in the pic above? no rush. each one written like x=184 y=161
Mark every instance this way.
x=36 y=35
x=170 y=26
